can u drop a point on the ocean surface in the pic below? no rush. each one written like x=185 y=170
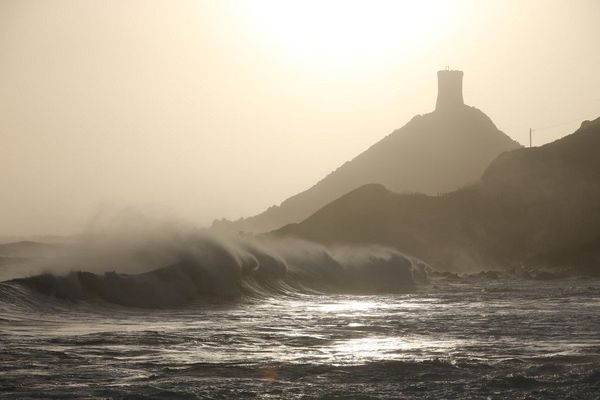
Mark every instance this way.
x=442 y=339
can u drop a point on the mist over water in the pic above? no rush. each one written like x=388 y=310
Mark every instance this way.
x=446 y=260
x=152 y=263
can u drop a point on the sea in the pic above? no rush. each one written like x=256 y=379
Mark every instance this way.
x=287 y=335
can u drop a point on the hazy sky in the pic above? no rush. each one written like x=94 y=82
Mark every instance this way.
x=212 y=109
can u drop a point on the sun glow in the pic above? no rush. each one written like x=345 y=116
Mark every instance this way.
x=345 y=35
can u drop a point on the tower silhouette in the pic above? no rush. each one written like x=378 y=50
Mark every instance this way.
x=449 y=89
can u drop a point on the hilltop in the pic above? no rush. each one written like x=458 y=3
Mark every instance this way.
x=433 y=153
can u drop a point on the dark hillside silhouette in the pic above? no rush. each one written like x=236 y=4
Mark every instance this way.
x=433 y=153
x=535 y=206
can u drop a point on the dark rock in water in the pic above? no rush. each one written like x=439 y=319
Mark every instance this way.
x=537 y=206
x=490 y=274
x=446 y=275
x=434 y=153
x=545 y=275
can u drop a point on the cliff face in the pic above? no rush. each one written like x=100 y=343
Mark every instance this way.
x=434 y=153
x=537 y=206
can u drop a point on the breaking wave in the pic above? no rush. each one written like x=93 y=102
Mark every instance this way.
x=202 y=268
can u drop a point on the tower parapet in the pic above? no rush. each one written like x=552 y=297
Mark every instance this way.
x=449 y=89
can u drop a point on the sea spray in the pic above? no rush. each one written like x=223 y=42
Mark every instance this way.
x=184 y=266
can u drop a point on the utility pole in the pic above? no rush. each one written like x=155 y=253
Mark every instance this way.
x=530 y=137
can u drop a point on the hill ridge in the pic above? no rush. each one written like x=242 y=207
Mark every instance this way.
x=538 y=206
x=460 y=141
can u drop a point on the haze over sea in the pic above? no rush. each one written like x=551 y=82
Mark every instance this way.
x=266 y=199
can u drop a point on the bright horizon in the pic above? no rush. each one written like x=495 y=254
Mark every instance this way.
x=222 y=109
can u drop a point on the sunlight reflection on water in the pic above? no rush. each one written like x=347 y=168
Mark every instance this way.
x=349 y=305
x=387 y=347
x=508 y=328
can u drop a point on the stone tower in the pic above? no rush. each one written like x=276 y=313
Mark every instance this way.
x=449 y=89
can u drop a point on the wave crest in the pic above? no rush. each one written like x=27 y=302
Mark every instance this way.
x=208 y=269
